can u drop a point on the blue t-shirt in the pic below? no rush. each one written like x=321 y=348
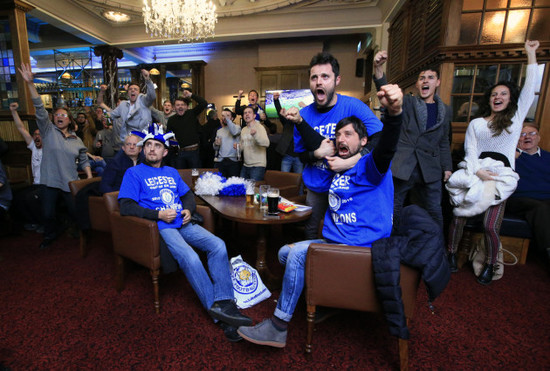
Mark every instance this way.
x=317 y=176
x=156 y=189
x=360 y=205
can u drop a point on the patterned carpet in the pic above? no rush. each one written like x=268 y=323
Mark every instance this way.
x=61 y=312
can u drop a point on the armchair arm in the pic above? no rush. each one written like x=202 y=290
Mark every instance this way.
x=136 y=239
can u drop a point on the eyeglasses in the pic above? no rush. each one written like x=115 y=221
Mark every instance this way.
x=531 y=134
x=61 y=115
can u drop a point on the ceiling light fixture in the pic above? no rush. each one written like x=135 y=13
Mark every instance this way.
x=154 y=71
x=189 y=20
x=66 y=75
x=118 y=17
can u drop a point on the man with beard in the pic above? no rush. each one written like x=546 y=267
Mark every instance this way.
x=347 y=221
x=185 y=125
x=134 y=113
x=322 y=115
x=531 y=200
x=423 y=157
x=26 y=202
x=156 y=192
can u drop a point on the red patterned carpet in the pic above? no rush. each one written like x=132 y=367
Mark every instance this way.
x=61 y=312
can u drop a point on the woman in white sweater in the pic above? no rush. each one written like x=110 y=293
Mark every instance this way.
x=495 y=134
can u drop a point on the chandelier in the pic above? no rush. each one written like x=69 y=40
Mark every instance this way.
x=188 y=20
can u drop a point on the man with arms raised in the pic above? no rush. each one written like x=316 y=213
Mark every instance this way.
x=323 y=114
x=186 y=127
x=134 y=113
x=153 y=191
x=347 y=221
x=423 y=157
x=254 y=143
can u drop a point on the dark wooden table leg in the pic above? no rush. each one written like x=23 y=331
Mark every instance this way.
x=270 y=280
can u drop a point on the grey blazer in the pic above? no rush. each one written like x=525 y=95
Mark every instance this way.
x=430 y=149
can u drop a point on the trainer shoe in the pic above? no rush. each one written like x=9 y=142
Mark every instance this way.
x=264 y=333
x=227 y=311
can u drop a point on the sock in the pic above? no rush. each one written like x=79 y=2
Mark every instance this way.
x=279 y=324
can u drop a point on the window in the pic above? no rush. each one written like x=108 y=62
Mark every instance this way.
x=8 y=85
x=503 y=21
x=471 y=81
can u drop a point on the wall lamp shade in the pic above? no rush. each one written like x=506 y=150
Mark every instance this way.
x=154 y=71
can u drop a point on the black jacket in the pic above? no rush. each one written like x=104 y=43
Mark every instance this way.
x=418 y=243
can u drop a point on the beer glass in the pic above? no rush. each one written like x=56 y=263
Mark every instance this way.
x=273 y=200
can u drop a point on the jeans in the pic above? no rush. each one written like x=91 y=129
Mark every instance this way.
x=429 y=196
x=188 y=160
x=254 y=172
x=290 y=163
x=293 y=257
x=220 y=287
x=97 y=166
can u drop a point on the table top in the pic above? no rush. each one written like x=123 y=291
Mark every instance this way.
x=234 y=208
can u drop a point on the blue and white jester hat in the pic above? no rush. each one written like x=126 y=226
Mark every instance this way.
x=156 y=132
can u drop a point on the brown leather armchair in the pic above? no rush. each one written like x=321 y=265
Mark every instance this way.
x=341 y=276
x=288 y=183
x=138 y=239
x=99 y=217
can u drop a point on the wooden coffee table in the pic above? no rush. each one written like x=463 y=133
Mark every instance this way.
x=234 y=209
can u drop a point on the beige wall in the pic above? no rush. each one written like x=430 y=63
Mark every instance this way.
x=231 y=69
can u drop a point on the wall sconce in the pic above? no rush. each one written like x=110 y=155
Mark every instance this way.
x=154 y=71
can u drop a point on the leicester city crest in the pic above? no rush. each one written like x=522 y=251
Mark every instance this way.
x=245 y=280
x=167 y=196
x=334 y=201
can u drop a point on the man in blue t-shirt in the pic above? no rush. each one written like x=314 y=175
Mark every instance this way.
x=347 y=221
x=531 y=200
x=153 y=191
x=322 y=115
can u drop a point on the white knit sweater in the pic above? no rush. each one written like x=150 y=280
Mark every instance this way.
x=479 y=137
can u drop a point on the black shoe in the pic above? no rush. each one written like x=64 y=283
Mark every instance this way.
x=486 y=275
x=230 y=332
x=46 y=242
x=226 y=311
x=452 y=262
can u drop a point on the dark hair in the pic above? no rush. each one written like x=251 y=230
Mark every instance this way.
x=233 y=115
x=167 y=100
x=133 y=82
x=248 y=107
x=182 y=99
x=254 y=91
x=502 y=120
x=326 y=58
x=72 y=122
x=358 y=126
x=430 y=68
x=210 y=115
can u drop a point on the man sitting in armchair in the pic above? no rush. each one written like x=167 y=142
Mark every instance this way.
x=369 y=182
x=531 y=200
x=153 y=191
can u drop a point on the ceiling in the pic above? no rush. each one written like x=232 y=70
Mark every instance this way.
x=70 y=25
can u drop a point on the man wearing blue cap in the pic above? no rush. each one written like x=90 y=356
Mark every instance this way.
x=153 y=191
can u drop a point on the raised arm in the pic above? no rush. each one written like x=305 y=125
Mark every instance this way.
x=42 y=119
x=151 y=95
x=391 y=97
x=19 y=124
